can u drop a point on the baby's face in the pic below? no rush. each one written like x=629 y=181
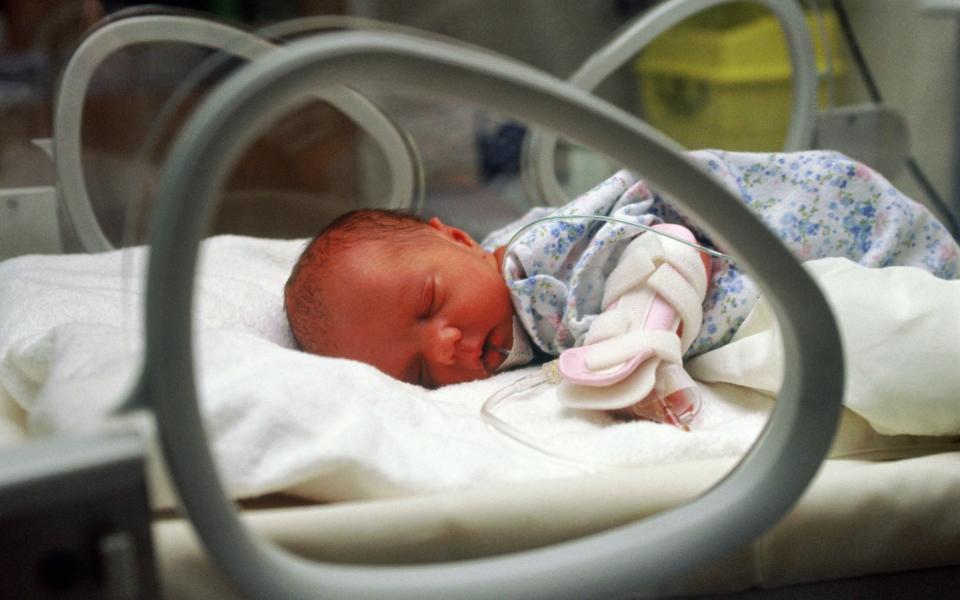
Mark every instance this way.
x=431 y=316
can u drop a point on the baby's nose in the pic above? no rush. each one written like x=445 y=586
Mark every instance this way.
x=444 y=345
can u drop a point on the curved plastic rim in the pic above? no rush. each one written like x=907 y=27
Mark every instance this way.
x=170 y=28
x=623 y=561
x=541 y=145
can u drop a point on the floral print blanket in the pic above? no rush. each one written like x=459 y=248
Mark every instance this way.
x=819 y=203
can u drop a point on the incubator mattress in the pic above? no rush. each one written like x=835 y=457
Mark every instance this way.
x=858 y=518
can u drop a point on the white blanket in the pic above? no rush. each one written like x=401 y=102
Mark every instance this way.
x=282 y=420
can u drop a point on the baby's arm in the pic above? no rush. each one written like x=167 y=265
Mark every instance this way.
x=631 y=357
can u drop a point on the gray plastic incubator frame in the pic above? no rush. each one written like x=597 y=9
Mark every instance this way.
x=68 y=117
x=625 y=561
x=540 y=147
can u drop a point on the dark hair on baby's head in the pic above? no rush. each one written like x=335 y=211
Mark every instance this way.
x=303 y=293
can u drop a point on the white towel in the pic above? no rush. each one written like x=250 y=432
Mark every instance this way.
x=280 y=419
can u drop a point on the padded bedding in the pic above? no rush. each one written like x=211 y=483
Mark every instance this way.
x=329 y=429
x=858 y=518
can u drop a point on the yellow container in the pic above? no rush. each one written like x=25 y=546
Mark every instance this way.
x=723 y=79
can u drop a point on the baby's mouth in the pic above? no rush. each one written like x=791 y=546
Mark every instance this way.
x=493 y=352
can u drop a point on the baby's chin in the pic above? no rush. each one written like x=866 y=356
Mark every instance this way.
x=492 y=359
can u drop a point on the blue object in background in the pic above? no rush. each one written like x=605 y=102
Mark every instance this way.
x=499 y=149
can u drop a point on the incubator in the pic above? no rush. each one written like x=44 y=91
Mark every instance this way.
x=164 y=436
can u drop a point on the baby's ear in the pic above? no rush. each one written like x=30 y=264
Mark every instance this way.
x=448 y=231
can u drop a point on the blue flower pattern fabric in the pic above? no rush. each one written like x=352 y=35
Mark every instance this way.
x=819 y=203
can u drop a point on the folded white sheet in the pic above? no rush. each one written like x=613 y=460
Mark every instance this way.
x=900 y=329
x=280 y=419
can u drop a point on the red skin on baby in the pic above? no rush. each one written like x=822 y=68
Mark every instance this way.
x=432 y=317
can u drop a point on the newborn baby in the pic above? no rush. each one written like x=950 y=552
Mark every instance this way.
x=419 y=300
x=425 y=303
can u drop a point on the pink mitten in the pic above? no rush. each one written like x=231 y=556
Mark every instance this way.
x=632 y=357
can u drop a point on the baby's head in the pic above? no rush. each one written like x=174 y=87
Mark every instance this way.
x=419 y=300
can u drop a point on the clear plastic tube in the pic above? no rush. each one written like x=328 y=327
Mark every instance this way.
x=523 y=388
x=701 y=248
